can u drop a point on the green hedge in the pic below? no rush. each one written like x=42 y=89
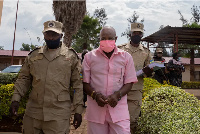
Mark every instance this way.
x=6 y=92
x=190 y=85
x=7 y=78
x=150 y=84
x=165 y=110
x=169 y=110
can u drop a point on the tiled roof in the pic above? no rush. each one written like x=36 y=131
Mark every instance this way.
x=16 y=53
x=185 y=60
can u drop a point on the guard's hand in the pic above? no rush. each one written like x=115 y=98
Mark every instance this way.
x=77 y=120
x=101 y=100
x=148 y=71
x=14 y=108
x=113 y=99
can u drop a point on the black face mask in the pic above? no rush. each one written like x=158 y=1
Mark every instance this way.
x=53 y=44
x=136 y=39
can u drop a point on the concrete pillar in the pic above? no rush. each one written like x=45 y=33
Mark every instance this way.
x=20 y=61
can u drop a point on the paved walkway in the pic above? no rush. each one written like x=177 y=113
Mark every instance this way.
x=195 y=92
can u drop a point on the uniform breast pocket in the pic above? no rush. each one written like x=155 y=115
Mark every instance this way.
x=36 y=66
x=119 y=74
x=35 y=71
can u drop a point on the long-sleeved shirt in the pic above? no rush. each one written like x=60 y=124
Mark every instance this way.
x=50 y=74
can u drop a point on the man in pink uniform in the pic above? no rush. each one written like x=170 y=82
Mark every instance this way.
x=108 y=75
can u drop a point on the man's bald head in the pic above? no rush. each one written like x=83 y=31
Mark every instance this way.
x=108 y=33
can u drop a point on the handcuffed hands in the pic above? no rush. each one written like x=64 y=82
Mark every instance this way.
x=113 y=99
x=101 y=100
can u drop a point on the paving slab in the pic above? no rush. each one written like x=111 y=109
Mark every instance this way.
x=195 y=92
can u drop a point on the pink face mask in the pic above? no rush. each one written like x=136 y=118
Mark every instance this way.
x=107 y=45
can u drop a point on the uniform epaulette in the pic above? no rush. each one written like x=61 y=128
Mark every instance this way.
x=145 y=47
x=34 y=49
x=121 y=45
x=74 y=52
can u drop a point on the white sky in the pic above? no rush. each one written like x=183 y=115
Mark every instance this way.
x=32 y=14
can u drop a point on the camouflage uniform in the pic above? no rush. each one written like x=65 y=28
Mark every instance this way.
x=175 y=75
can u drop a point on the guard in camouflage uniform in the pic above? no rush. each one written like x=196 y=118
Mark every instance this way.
x=141 y=57
x=175 y=69
x=50 y=71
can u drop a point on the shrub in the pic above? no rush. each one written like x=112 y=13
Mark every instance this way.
x=150 y=84
x=190 y=85
x=6 y=92
x=169 y=110
x=7 y=78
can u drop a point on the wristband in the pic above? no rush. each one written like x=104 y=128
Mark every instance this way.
x=92 y=94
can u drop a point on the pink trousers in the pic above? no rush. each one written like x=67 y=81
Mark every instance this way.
x=121 y=127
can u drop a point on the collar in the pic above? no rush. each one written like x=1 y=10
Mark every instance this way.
x=133 y=49
x=62 y=48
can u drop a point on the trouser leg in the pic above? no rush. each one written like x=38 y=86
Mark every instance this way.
x=34 y=126
x=31 y=125
x=97 y=128
x=134 y=106
x=56 y=126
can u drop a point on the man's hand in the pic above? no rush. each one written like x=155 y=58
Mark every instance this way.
x=101 y=100
x=148 y=71
x=14 y=108
x=113 y=99
x=77 y=120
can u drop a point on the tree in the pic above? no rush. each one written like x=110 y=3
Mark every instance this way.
x=193 y=50
x=1 y=48
x=193 y=23
x=71 y=14
x=88 y=34
x=132 y=19
x=27 y=47
x=101 y=15
x=195 y=14
x=184 y=21
x=161 y=27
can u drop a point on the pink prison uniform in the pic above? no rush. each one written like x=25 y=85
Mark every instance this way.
x=107 y=76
